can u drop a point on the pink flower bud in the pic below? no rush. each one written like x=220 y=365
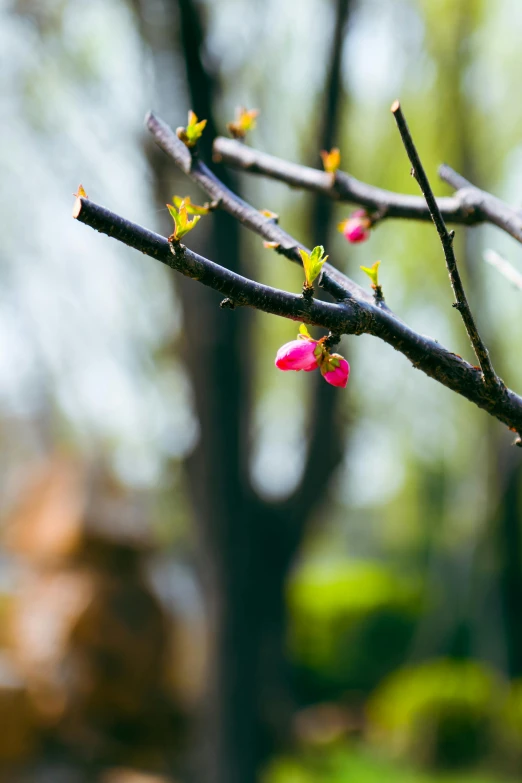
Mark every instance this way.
x=297 y=355
x=336 y=370
x=356 y=228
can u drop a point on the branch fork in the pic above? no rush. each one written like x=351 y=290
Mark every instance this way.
x=353 y=310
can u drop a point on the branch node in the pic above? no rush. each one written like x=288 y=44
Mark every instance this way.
x=308 y=292
x=379 y=214
x=378 y=295
x=446 y=239
x=331 y=340
x=227 y=304
x=214 y=204
x=177 y=249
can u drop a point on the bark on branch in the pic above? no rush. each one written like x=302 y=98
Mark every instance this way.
x=333 y=281
x=446 y=238
x=468 y=206
x=349 y=317
x=491 y=208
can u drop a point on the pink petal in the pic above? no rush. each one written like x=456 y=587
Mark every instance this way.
x=297 y=355
x=340 y=374
x=356 y=230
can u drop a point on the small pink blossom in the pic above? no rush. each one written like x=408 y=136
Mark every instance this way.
x=356 y=228
x=308 y=354
x=336 y=370
x=297 y=355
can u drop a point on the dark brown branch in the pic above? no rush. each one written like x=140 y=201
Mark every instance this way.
x=492 y=209
x=446 y=238
x=346 y=318
x=333 y=281
x=468 y=206
x=350 y=317
x=345 y=187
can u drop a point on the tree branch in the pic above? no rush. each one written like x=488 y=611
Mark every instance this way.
x=446 y=238
x=338 y=285
x=350 y=317
x=491 y=208
x=468 y=206
x=344 y=188
x=347 y=318
x=504 y=267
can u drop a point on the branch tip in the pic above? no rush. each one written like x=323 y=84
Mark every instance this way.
x=446 y=237
x=77 y=208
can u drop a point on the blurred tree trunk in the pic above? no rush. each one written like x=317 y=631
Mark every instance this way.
x=246 y=545
x=509 y=553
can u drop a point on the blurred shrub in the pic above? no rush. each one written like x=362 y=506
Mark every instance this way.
x=440 y=713
x=511 y=728
x=350 y=625
x=357 y=764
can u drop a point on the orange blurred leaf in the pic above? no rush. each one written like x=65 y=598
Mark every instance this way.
x=331 y=160
x=81 y=192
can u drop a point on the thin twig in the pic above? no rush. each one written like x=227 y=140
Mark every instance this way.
x=504 y=267
x=446 y=238
x=349 y=317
